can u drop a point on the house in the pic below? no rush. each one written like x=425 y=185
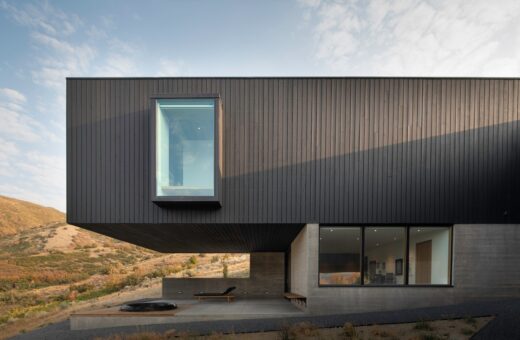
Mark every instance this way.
x=358 y=194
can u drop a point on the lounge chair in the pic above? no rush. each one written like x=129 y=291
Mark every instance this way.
x=225 y=295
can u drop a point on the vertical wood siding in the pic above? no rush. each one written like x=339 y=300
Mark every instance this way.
x=301 y=150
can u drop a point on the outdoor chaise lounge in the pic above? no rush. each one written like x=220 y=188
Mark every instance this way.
x=225 y=295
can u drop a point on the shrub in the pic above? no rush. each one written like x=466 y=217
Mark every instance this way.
x=467 y=331
x=131 y=280
x=193 y=260
x=285 y=332
x=97 y=293
x=105 y=270
x=215 y=259
x=423 y=326
x=430 y=337
x=471 y=321
x=306 y=329
x=348 y=331
x=225 y=270
x=82 y=288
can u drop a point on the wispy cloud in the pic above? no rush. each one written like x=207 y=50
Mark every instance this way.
x=63 y=45
x=169 y=67
x=32 y=176
x=43 y=17
x=412 y=37
x=12 y=95
x=17 y=123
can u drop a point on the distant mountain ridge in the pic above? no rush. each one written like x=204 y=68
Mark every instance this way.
x=18 y=216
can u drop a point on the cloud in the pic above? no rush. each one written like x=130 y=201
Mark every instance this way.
x=411 y=37
x=32 y=132
x=32 y=175
x=169 y=68
x=17 y=124
x=12 y=95
x=43 y=17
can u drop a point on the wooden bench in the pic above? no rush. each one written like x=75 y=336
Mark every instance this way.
x=293 y=297
x=228 y=297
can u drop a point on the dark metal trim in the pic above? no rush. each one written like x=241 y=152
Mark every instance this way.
x=184 y=96
x=451 y=257
x=407 y=257
x=362 y=256
x=217 y=173
x=406 y=281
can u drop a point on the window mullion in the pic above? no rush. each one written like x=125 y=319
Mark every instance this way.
x=362 y=256
x=407 y=260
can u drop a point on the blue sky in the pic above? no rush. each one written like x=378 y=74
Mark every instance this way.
x=42 y=42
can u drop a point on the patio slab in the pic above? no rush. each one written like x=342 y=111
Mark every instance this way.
x=187 y=311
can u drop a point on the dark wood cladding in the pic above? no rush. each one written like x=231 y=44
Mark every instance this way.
x=302 y=150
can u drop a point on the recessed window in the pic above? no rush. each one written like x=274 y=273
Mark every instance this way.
x=377 y=255
x=340 y=256
x=185 y=147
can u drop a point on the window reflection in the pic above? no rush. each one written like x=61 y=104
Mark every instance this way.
x=340 y=256
x=185 y=147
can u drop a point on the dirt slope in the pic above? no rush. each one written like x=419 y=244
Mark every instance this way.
x=17 y=215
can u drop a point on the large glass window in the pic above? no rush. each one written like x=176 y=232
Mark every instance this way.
x=185 y=147
x=340 y=256
x=385 y=249
x=429 y=255
x=377 y=255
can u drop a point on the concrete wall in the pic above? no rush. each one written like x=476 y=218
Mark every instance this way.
x=485 y=265
x=267 y=279
x=299 y=268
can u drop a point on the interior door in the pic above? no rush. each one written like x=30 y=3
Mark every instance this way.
x=423 y=262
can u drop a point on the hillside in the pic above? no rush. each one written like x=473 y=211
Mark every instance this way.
x=50 y=268
x=17 y=215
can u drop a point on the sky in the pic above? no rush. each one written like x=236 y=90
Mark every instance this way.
x=43 y=42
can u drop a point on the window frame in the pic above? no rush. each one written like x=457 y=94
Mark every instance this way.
x=214 y=200
x=406 y=263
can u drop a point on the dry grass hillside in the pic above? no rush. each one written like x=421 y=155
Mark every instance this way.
x=49 y=271
x=17 y=215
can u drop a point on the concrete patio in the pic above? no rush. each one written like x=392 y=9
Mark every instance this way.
x=506 y=326
x=188 y=310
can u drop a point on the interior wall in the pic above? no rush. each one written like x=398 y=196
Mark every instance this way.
x=440 y=256
x=266 y=279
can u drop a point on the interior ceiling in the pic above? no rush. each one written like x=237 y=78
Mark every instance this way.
x=203 y=238
x=348 y=239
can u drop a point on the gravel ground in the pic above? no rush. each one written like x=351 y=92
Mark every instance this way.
x=505 y=326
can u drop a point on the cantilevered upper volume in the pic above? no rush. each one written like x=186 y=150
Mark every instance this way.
x=242 y=164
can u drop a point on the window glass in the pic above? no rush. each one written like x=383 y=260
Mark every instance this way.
x=340 y=256
x=385 y=249
x=185 y=147
x=429 y=255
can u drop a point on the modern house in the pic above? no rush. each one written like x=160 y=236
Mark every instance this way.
x=357 y=193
